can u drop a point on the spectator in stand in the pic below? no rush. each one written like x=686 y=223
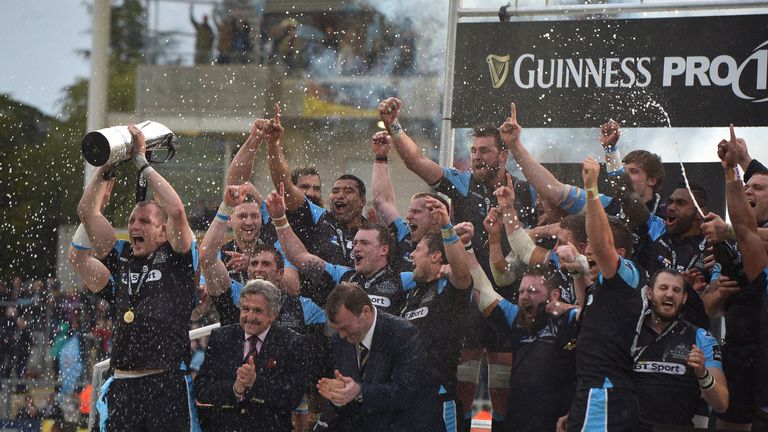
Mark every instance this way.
x=203 y=38
x=226 y=42
x=242 y=41
x=28 y=411
x=52 y=409
x=16 y=287
x=5 y=296
x=21 y=345
x=288 y=47
x=7 y=327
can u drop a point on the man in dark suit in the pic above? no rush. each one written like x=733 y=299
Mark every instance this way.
x=253 y=373
x=380 y=378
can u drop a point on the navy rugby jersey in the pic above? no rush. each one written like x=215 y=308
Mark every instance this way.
x=433 y=308
x=610 y=321
x=471 y=200
x=543 y=373
x=667 y=388
x=384 y=287
x=157 y=338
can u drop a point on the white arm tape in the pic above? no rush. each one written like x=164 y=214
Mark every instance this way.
x=522 y=244
x=483 y=289
x=80 y=240
x=613 y=161
x=581 y=260
x=513 y=271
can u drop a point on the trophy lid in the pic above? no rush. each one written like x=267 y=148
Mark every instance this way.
x=96 y=148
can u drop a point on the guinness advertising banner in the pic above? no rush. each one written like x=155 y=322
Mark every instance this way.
x=690 y=72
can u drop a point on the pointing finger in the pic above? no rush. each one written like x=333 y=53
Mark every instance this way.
x=513 y=112
x=733 y=135
x=277 y=113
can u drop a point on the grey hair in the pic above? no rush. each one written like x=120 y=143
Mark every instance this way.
x=266 y=289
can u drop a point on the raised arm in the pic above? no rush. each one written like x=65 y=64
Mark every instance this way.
x=381 y=183
x=177 y=228
x=504 y=270
x=294 y=249
x=215 y=271
x=100 y=233
x=454 y=249
x=632 y=204
x=520 y=242
x=483 y=294
x=192 y=15
x=748 y=165
x=598 y=229
x=81 y=255
x=424 y=167
x=545 y=184
x=278 y=165
x=751 y=247
x=241 y=168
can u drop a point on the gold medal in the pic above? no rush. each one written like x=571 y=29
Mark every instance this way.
x=128 y=316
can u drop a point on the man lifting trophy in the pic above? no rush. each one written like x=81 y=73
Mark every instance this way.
x=148 y=281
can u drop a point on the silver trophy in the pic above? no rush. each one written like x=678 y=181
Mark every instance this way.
x=113 y=145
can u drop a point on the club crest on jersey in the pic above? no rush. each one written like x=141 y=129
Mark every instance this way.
x=679 y=352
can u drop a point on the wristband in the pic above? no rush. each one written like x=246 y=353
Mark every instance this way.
x=80 y=240
x=384 y=159
x=468 y=246
x=613 y=163
x=224 y=212
x=140 y=161
x=281 y=223
x=450 y=240
x=707 y=381
x=736 y=173
x=144 y=168
x=395 y=129
x=592 y=193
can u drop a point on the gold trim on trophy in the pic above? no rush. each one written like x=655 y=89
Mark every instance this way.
x=499 y=67
x=128 y=316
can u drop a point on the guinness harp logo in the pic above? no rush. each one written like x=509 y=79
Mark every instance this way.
x=499 y=67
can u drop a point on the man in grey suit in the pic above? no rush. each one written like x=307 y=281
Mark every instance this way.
x=379 y=380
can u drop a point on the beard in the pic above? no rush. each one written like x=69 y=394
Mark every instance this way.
x=535 y=321
x=491 y=171
x=682 y=225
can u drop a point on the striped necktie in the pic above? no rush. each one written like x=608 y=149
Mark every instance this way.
x=362 y=353
x=252 y=349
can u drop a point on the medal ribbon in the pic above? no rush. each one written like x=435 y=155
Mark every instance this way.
x=133 y=297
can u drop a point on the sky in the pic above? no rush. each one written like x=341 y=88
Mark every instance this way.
x=39 y=59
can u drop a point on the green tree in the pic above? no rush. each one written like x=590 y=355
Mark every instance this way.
x=41 y=167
